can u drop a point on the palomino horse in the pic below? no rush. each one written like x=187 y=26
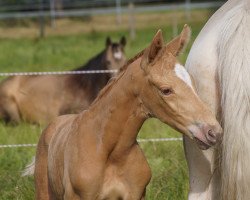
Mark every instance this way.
x=94 y=154
x=219 y=62
x=38 y=99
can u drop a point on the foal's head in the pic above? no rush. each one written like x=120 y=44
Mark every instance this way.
x=115 y=53
x=170 y=95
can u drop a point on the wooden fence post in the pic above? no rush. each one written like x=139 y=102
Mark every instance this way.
x=131 y=9
x=118 y=12
x=52 y=13
x=41 y=19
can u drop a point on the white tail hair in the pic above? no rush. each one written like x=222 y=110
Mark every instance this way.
x=234 y=76
x=30 y=168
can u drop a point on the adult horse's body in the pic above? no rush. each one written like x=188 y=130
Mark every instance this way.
x=219 y=62
x=39 y=99
x=94 y=155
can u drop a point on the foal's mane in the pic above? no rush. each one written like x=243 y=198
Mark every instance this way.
x=112 y=81
x=131 y=60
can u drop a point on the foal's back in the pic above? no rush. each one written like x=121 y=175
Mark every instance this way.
x=39 y=99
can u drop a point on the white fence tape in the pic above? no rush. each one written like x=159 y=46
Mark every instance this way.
x=16 y=145
x=159 y=140
x=69 y=73
x=139 y=140
x=58 y=73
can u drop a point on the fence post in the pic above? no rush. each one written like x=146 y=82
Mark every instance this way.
x=131 y=9
x=41 y=19
x=187 y=9
x=174 y=23
x=52 y=13
x=118 y=12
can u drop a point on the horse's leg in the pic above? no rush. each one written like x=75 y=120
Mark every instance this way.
x=69 y=192
x=203 y=176
x=42 y=187
x=143 y=195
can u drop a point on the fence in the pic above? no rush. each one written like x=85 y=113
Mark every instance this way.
x=139 y=140
x=112 y=10
x=51 y=12
x=69 y=73
x=120 y=7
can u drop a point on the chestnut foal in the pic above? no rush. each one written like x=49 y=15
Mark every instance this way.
x=95 y=155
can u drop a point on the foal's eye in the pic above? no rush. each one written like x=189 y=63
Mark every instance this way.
x=166 y=91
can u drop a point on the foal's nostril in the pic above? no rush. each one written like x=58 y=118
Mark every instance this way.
x=211 y=134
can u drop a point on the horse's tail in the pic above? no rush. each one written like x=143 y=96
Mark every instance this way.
x=234 y=76
x=30 y=168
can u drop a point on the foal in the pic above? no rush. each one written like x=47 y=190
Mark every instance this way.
x=95 y=155
x=39 y=99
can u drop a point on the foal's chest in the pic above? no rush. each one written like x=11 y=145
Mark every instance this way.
x=114 y=186
x=127 y=181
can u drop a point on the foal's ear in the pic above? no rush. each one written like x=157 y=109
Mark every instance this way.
x=178 y=44
x=123 y=41
x=153 y=50
x=108 y=41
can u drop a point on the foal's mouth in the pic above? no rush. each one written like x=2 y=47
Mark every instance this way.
x=202 y=145
x=204 y=135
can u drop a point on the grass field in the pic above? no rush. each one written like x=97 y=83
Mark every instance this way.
x=169 y=181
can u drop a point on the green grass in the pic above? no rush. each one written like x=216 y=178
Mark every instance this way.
x=166 y=159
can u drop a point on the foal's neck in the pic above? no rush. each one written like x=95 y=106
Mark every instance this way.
x=119 y=113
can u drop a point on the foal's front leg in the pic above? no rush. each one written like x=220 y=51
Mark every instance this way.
x=41 y=171
x=203 y=173
x=83 y=193
x=143 y=195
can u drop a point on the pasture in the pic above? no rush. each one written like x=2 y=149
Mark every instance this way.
x=64 y=52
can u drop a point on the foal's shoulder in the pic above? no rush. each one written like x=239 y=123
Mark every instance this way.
x=63 y=120
x=58 y=125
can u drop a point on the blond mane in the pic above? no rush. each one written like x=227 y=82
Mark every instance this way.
x=233 y=70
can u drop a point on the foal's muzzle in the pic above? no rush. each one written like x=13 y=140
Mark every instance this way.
x=206 y=135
